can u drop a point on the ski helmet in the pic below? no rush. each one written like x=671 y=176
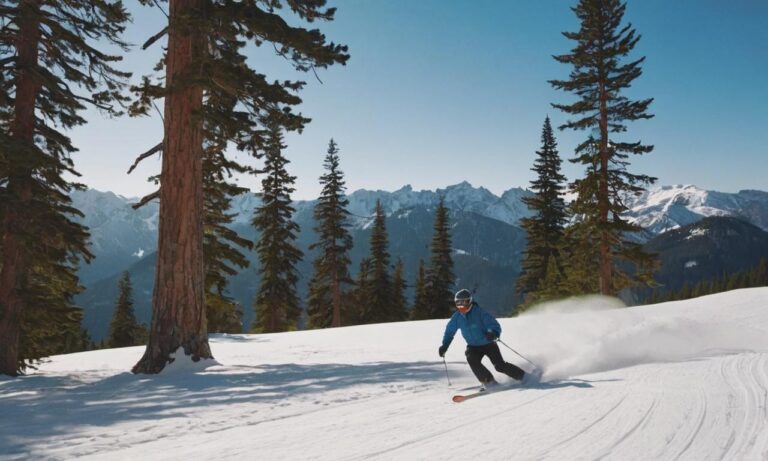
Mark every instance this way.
x=463 y=300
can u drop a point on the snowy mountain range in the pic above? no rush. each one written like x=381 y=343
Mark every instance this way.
x=120 y=234
x=706 y=250
x=666 y=208
x=487 y=240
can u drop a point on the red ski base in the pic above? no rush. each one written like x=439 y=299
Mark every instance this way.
x=461 y=398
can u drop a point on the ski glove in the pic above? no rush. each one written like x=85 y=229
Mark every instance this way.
x=442 y=350
x=491 y=335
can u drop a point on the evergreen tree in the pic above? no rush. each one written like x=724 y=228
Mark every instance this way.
x=717 y=285
x=440 y=278
x=698 y=289
x=580 y=257
x=546 y=227
x=399 y=303
x=598 y=78
x=376 y=299
x=276 y=305
x=742 y=279
x=222 y=255
x=52 y=70
x=760 y=274
x=124 y=330
x=332 y=263
x=208 y=84
x=551 y=287
x=685 y=291
x=711 y=287
x=359 y=295
x=79 y=343
x=420 y=310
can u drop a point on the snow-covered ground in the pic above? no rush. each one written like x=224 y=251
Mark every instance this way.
x=681 y=380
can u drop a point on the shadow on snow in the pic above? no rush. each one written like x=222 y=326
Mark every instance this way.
x=39 y=406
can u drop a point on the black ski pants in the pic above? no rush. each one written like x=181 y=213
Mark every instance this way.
x=475 y=356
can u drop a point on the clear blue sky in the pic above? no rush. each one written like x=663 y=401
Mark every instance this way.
x=439 y=91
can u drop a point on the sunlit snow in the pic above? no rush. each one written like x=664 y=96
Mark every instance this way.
x=681 y=380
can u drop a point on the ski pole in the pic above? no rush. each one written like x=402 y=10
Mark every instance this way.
x=446 y=372
x=521 y=355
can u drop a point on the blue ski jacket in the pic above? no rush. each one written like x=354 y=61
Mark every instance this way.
x=474 y=325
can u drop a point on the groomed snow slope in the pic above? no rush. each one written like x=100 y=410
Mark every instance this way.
x=682 y=380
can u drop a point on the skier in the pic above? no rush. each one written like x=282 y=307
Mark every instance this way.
x=480 y=330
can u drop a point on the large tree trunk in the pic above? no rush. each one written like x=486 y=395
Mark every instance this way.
x=14 y=267
x=178 y=303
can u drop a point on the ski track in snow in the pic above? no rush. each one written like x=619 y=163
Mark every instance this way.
x=378 y=393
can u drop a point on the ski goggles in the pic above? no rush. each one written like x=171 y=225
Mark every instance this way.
x=463 y=302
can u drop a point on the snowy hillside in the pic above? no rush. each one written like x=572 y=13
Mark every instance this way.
x=684 y=380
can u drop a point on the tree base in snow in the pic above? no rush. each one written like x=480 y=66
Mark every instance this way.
x=156 y=357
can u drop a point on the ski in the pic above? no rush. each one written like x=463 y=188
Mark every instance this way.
x=531 y=380
x=484 y=390
x=460 y=398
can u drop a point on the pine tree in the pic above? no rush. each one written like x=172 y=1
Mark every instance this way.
x=712 y=287
x=742 y=280
x=720 y=284
x=698 y=289
x=222 y=255
x=551 y=287
x=580 y=257
x=399 y=304
x=685 y=291
x=51 y=323
x=52 y=70
x=440 y=278
x=598 y=78
x=210 y=86
x=331 y=267
x=546 y=227
x=78 y=343
x=376 y=296
x=124 y=329
x=760 y=274
x=420 y=310
x=277 y=305
x=360 y=293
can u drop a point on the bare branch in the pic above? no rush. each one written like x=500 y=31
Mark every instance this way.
x=161 y=9
x=147 y=199
x=162 y=119
x=154 y=38
x=316 y=76
x=104 y=107
x=7 y=60
x=149 y=153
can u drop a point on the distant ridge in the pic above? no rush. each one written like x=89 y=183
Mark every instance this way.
x=487 y=240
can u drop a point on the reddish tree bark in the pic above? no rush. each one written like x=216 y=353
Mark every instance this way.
x=13 y=272
x=178 y=315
